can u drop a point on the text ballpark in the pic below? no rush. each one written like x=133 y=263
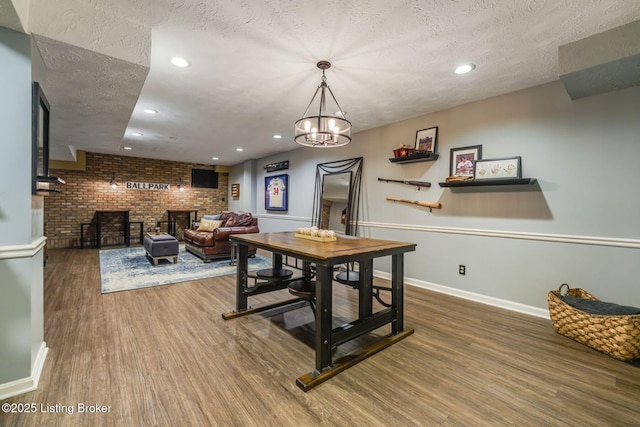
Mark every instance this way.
x=147 y=186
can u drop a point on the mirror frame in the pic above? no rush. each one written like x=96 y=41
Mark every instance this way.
x=353 y=204
x=39 y=128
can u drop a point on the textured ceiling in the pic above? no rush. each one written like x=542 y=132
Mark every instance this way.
x=253 y=67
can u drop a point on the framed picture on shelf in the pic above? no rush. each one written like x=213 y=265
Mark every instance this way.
x=509 y=167
x=426 y=140
x=275 y=193
x=463 y=158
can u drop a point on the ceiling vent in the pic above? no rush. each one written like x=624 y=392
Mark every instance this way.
x=601 y=63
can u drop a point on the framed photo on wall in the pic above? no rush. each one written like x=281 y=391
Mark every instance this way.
x=426 y=140
x=462 y=160
x=509 y=167
x=275 y=193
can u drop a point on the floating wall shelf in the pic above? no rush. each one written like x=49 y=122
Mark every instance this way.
x=414 y=158
x=490 y=182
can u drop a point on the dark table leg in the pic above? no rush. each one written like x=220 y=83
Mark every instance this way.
x=241 y=277
x=397 y=292
x=276 y=260
x=365 y=296
x=99 y=231
x=127 y=230
x=324 y=314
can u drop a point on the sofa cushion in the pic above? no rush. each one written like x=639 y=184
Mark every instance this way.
x=209 y=225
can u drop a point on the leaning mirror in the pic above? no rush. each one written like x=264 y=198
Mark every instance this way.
x=39 y=136
x=337 y=195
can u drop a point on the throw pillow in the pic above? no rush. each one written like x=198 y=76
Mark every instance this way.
x=209 y=225
x=211 y=217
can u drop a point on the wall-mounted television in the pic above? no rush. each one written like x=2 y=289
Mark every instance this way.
x=204 y=178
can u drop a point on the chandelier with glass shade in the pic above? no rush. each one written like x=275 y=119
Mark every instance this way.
x=324 y=130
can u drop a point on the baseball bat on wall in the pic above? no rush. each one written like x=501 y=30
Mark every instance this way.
x=416 y=183
x=429 y=205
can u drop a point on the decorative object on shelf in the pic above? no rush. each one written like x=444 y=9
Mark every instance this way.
x=508 y=167
x=462 y=160
x=403 y=151
x=429 y=205
x=113 y=182
x=315 y=233
x=458 y=178
x=426 y=140
x=277 y=166
x=418 y=184
x=276 y=194
x=415 y=158
x=325 y=129
x=235 y=191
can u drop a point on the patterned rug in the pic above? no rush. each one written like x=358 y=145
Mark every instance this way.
x=129 y=268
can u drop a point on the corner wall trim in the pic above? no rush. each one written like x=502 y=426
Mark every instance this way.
x=30 y=383
x=23 y=251
x=471 y=296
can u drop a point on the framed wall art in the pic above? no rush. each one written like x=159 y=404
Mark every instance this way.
x=509 y=167
x=426 y=140
x=462 y=160
x=276 y=194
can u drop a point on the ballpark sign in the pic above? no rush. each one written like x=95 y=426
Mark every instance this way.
x=146 y=186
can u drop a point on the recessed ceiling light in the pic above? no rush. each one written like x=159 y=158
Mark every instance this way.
x=180 y=62
x=277 y=136
x=215 y=158
x=150 y=111
x=136 y=134
x=239 y=149
x=127 y=148
x=465 y=68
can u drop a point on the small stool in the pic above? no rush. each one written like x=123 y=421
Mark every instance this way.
x=274 y=274
x=304 y=289
x=161 y=246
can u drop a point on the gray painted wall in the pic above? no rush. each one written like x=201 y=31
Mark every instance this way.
x=580 y=223
x=22 y=349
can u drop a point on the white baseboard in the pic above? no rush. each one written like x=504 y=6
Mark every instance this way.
x=496 y=302
x=30 y=383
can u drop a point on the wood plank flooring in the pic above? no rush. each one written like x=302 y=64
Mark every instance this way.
x=164 y=356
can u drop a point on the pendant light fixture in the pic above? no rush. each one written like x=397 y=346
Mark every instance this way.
x=323 y=130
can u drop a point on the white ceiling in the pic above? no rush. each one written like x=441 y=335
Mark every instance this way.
x=253 y=64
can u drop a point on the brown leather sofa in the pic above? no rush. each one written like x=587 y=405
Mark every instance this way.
x=215 y=244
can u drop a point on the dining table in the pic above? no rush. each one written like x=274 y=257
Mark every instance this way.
x=321 y=257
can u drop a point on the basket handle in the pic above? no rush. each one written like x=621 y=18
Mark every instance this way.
x=560 y=289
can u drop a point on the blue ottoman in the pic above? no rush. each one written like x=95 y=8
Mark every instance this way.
x=161 y=246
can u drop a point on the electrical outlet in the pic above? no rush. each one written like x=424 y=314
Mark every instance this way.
x=148 y=229
x=462 y=269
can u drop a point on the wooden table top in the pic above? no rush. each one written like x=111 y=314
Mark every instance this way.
x=345 y=248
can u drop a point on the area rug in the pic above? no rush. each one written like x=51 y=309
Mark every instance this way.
x=129 y=268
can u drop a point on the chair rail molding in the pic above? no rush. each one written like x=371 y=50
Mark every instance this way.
x=558 y=238
x=23 y=251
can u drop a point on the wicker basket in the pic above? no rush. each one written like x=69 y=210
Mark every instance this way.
x=617 y=336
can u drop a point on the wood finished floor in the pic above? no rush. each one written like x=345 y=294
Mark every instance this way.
x=164 y=356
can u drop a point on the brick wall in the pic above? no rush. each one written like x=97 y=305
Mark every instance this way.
x=88 y=191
